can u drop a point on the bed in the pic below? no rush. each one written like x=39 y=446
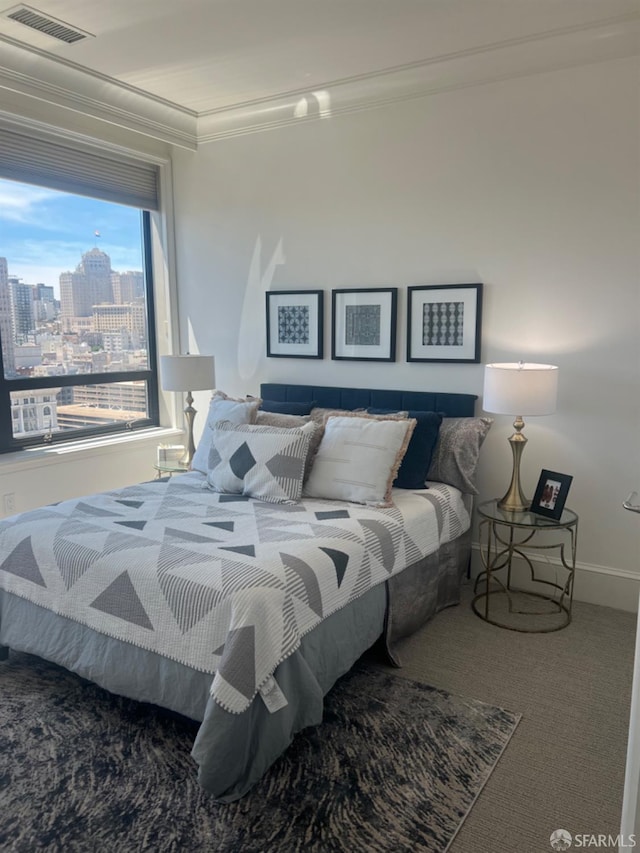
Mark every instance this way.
x=241 y=613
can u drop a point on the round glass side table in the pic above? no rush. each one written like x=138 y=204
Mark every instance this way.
x=541 y=605
x=166 y=469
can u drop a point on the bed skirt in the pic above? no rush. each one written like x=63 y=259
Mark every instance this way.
x=233 y=751
x=420 y=591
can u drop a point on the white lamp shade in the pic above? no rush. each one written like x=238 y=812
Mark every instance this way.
x=520 y=389
x=187 y=372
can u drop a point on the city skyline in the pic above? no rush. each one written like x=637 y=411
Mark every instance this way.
x=43 y=232
x=98 y=326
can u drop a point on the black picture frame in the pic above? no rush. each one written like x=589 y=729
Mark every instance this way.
x=444 y=323
x=551 y=494
x=363 y=324
x=295 y=323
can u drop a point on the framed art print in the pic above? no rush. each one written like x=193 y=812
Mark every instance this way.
x=444 y=322
x=295 y=323
x=363 y=324
x=551 y=494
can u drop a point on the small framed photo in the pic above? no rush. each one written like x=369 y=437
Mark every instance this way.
x=295 y=327
x=363 y=324
x=551 y=494
x=444 y=322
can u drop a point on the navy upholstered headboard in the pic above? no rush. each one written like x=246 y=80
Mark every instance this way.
x=453 y=405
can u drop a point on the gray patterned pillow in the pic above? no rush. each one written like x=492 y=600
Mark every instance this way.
x=223 y=408
x=456 y=453
x=261 y=462
x=289 y=422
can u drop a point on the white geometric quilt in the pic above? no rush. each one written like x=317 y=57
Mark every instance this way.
x=222 y=583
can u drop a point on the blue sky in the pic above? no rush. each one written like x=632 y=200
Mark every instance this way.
x=44 y=232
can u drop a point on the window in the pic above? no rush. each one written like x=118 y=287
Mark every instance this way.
x=77 y=330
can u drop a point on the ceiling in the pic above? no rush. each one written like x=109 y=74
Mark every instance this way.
x=191 y=59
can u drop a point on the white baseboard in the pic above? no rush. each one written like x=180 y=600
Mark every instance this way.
x=602 y=585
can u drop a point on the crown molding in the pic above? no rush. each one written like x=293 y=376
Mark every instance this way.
x=63 y=85
x=33 y=73
x=571 y=46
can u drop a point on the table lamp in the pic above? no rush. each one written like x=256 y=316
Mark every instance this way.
x=187 y=373
x=519 y=389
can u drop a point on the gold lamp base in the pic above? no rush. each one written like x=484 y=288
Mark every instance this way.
x=514 y=499
x=189 y=414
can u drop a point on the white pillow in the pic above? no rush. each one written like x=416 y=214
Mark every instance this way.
x=358 y=458
x=262 y=462
x=223 y=408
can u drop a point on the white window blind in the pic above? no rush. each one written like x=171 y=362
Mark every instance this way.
x=64 y=166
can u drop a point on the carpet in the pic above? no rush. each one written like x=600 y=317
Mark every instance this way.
x=396 y=766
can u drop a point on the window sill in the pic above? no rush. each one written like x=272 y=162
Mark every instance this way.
x=35 y=457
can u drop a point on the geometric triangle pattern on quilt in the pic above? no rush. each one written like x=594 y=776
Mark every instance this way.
x=340 y=560
x=241 y=576
x=172 y=556
x=22 y=563
x=121 y=541
x=363 y=581
x=120 y=599
x=238 y=664
x=222 y=583
x=73 y=560
x=247 y=550
x=85 y=508
x=437 y=505
x=302 y=582
x=189 y=600
x=223 y=525
x=176 y=535
x=379 y=541
x=137 y=525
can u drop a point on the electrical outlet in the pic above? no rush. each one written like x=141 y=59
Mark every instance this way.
x=9 y=503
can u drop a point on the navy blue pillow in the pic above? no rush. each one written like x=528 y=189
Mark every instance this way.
x=282 y=408
x=417 y=460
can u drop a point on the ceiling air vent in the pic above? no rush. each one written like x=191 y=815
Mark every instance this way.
x=45 y=24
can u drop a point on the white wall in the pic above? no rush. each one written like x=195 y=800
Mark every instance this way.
x=40 y=476
x=530 y=186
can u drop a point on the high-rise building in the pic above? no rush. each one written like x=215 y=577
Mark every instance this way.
x=43 y=292
x=44 y=303
x=89 y=285
x=6 y=321
x=21 y=309
x=127 y=286
x=129 y=319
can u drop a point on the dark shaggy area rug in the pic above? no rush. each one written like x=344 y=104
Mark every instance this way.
x=395 y=766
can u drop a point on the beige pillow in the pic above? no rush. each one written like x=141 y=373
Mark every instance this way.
x=320 y=415
x=275 y=419
x=359 y=457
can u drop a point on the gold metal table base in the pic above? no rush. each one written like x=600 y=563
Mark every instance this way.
x=561 y=608
x=506 y=534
